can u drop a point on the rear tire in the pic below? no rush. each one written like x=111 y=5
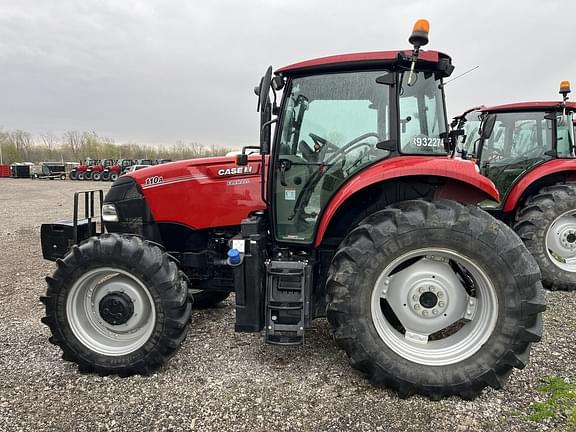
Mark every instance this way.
x=117 y=305
x=203 y=299
x=113 y=176
x=73 y=175
x=88 y=175
x=80 y=176
x=547 y=225
x=62 y=176
x=96 y=176
x=378 y=287
x=105 y=175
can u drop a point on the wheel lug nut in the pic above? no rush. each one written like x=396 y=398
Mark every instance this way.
x=421 y=289
x=425 y=313
x=415 y=297
x=416 y=307
x=441 y=304
x=440 y=294
x=434 y=311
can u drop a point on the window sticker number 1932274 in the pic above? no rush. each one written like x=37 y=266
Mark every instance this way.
x=423 y=141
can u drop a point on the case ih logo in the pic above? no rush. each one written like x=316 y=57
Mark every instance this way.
x=235 y=171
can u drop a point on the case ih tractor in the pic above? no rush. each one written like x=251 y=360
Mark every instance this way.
x=77 y=173
x=528 y=151
x=94 y=172
x=112 y=172
x=355 y=213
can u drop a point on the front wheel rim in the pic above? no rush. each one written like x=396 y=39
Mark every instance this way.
x=560 y=241
x=423 y=312
x=94 y=328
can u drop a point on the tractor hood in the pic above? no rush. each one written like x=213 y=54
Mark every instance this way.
x=198 y=193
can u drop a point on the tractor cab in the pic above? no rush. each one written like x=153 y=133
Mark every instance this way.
x=509 y=140
x=340 y=115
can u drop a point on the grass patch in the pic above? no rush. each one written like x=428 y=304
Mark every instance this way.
x=560 y=403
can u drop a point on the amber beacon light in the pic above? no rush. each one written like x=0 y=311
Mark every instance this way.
x=419 y=36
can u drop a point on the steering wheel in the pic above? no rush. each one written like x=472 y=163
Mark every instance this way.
x=321 y=142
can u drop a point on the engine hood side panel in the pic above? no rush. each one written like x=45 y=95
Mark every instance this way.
x=202 y=193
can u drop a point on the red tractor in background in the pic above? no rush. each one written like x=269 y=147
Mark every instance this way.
x=356 y=212
x=94 y=172
x=528 y=150
x=77 y=173
x=112 y=172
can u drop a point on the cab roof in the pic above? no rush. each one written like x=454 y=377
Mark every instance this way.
x=529 y=106
x=365 y=60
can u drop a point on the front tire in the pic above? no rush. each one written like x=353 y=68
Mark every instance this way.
x=88 y=175
x=435 y=298
x=105 y=175
x=96 y=176
x=547 y=225
x=117 y=305
x=80 y=176
x=73 y=175
x=113 y=176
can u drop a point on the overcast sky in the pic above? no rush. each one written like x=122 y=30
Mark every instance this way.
x=158 y=71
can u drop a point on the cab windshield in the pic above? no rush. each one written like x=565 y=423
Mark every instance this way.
x=422 y=114
x=565 y=136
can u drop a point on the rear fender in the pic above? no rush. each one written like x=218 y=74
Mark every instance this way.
x=565 y=168
x=458 y=180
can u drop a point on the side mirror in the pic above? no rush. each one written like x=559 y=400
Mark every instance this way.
x=265 y=129
x=265 y=109
x=487 y=126
x=264 y=89
x=242 y=159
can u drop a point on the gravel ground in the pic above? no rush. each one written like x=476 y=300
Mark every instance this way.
x=221 y=380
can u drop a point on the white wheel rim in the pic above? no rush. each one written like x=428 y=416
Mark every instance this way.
x=561 y=241
x=473 y=317
x=89 y=326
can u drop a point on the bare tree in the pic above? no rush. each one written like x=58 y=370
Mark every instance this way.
x=50 y=142
x=73 y=139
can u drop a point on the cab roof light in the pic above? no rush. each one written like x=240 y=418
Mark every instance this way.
x=565 y=89
x=419 y=36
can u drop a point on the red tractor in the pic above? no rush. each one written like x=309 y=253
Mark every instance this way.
x=112 y=172
x=528 y=150
x=77 y=173
x=356 y=212
x=94 y=172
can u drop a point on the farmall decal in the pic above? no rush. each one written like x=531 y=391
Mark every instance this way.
x=235 y=171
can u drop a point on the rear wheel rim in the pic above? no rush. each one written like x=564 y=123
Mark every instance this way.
x=93 y=327
x=440 y=322
x=561 y=241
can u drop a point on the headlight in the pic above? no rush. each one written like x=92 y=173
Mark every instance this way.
x=109 y=213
